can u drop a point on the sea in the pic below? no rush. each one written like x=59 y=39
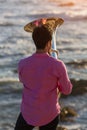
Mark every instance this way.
x=16 y=44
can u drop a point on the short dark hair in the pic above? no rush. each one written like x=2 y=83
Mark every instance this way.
x=41 y=35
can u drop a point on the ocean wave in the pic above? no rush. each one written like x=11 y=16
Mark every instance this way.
x=7 y=24
x=65 y=16
x=69 y=10
x=73 y=17
x=14 y=86
x=10 y=87
x=67 y=49
x=76 y=18
x=78 y=63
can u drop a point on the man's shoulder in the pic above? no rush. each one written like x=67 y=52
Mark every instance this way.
x=57 y=61
x=24 y=60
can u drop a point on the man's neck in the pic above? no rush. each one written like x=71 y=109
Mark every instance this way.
x=41 y=51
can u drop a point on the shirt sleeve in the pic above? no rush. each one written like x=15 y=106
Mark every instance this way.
x=64 y=84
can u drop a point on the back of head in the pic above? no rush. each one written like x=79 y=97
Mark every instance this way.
x=41 y=35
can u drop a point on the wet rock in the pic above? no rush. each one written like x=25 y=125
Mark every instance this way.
x=79 y=87
x=61 y=128
x=15 y=71
x=67 y=113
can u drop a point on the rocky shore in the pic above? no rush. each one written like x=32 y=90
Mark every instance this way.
x=79 y=87
x=67 y=113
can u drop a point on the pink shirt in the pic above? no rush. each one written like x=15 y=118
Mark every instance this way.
x=42 y=76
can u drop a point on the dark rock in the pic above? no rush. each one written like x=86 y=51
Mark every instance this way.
x=15 y=71
x=67 y=113
x=61 y=128
x=79 y=87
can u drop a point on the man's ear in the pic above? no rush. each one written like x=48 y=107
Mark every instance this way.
x=49 y=44
x=48 y=47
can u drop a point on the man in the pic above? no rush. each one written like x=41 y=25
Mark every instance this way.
x=42 y=77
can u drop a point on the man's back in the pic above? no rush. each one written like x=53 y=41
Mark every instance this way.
x=40 y=74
